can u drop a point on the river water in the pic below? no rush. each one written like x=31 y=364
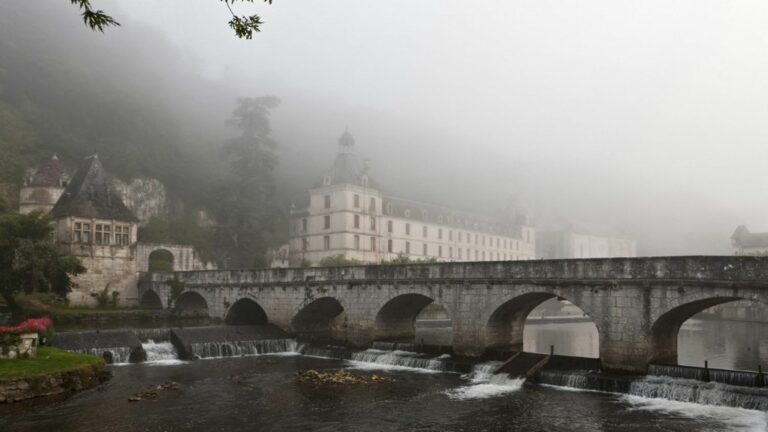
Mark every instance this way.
x=262 y=393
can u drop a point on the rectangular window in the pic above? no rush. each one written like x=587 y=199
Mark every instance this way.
x=440 y=251
x=468 y=240
x=424 y=249
x=527 y=236
x=373 y=243
x=304 y=225
x=86 y=233
x=450 y=235
x=357 y=221
x=498 y=242
x=98 y=234
x=477 y=239
x=477 y=255
x=357 y=242
x=460 y=239
x=77 y=233
x=107 y=234
x=372 y=207
x=483 y=240
x=373 y=223
x=327 y=201
x=483 y=255
x=450 y=252
x=327 y=221
x=326 y=242
x=407 y=229
x=356 y=201
x=389 y=245
x=424 y=231
x=389 y=227
x=459 y=251
x=304 y=244
x=126 y=235
x=408 y=247
x=118 y=234
x=439 y=233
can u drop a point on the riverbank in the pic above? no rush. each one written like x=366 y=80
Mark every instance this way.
x=53 y=373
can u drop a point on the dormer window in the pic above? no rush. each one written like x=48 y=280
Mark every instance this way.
x=389 y=208
x=327 y=180
x=364 y=180
x=407 y=213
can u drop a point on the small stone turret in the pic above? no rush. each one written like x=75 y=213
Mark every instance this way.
x=43 y=186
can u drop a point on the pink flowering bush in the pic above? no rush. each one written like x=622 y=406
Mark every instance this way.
x=41 y=326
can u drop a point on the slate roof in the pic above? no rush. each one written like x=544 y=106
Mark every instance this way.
x=49 y=174
x=744 y=238
x=437 y=214
x=91 y=194
x=347 y=168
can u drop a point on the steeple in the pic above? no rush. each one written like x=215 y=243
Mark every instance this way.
x=346 y=142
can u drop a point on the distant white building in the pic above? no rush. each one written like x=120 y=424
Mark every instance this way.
x=583 y=242
x=748 y=243
x=347 y=214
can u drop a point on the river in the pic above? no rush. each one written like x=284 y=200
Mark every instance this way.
x=262 y=393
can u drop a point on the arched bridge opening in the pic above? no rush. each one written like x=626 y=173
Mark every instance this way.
x=150 y=300
x=559 y=325
x=539 y=322
x=191 y=303
x=245 y=312
x=322 y=320
x=726 y=332
x=413 y=318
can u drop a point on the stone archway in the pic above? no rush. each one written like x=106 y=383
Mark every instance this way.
x=665 y=329
x=246 y=312
x=322 y=319
x=396 y=319
x=161 y=260
x=191 y=303
x=505 y=328
x=150 y=300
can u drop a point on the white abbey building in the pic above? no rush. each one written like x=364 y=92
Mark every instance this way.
x=348 y=215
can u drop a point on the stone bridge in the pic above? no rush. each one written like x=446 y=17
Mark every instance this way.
x=637 y=304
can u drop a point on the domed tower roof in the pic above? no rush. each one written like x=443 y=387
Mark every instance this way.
x=347 y=168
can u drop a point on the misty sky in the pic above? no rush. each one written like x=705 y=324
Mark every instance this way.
x=650 y=116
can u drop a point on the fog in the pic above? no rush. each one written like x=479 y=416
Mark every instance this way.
x=647 y=117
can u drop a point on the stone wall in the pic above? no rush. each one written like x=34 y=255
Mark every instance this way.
x=57 y=384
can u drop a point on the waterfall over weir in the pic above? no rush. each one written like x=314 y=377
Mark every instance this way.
x=661 y=387
x=205 y=350
x=398 y=359
x=113 y=355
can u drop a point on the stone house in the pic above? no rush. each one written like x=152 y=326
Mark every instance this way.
x=92 y=223
x=745 y=242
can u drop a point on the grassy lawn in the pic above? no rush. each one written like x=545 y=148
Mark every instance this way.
x=48 y=360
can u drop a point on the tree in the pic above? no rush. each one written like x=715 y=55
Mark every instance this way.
x=246 y=207
x=243 y=25
x=30 y=261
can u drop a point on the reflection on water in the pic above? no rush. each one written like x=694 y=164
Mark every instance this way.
x=725 y=344
x=263 y=394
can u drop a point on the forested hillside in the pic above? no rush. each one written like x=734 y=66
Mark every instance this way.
x=142 y=106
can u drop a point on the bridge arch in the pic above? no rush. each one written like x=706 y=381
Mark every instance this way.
x=151 y=300
x=322 y=319
x=191 y=303
x=245 y=311
x=665 y=329
x=505 y=327
x=396 y=318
